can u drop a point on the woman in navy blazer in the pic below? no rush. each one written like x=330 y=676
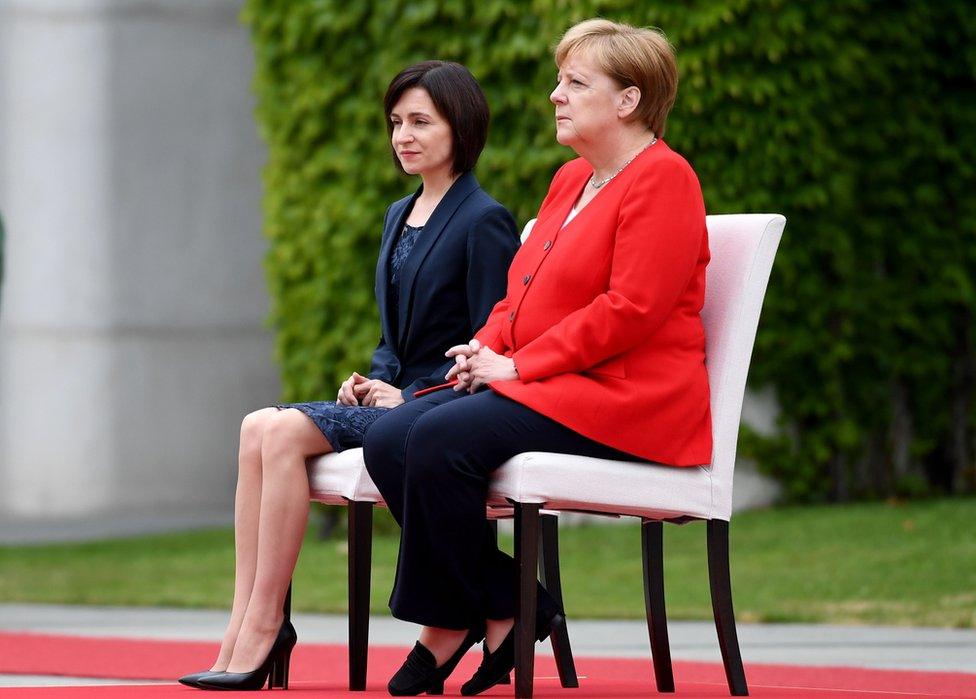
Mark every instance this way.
x=450 y=281
x=442 y=266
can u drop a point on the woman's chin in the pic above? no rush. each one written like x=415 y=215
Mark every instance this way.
x=565 y=138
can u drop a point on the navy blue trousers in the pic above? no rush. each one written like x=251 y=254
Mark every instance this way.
x=432 y=460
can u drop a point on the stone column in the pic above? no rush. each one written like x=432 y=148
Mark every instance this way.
x=132 y=336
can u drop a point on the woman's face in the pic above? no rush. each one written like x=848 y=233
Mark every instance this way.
x=422 y=137
x=587 y=102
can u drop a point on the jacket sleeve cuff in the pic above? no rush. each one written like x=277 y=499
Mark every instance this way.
x=528 y=368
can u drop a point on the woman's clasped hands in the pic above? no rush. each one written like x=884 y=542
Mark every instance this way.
x=476 y=366
x=358 y=390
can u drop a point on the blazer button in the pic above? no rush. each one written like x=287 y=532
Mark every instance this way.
x=526 y=278
x=511 y=316
x=547 y=245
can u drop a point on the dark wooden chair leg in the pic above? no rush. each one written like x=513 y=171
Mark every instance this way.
x=549 y=574
x=721 y=588
x=360 y=566
x=527 y=563
x=652 y=555
x=493 y=523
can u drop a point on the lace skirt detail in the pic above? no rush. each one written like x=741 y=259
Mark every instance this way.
x=343 y=425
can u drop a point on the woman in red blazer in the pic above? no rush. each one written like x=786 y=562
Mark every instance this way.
x=597 y=349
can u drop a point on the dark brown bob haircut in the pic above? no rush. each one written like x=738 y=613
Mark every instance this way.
x=458 y=98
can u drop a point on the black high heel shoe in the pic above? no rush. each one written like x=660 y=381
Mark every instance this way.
x=419 y=672
x=274 y=669
x=496 y=666
x=193 y=680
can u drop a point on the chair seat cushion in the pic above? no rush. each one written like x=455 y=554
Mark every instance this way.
x=334 y=479
x=567 y=482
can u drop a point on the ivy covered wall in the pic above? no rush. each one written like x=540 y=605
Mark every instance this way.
x=854 y=118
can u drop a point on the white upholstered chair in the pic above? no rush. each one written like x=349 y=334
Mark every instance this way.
x=342 y=479
x=743 y=247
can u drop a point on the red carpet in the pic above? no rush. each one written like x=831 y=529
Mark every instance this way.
x=322 y=669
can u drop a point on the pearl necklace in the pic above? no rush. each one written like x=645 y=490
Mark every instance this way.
x=597 y=185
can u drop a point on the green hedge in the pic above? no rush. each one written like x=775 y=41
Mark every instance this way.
x=855 y=119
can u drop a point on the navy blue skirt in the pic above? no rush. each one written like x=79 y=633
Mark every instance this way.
x=343 y=425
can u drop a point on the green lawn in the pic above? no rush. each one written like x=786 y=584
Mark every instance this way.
x=906 y=564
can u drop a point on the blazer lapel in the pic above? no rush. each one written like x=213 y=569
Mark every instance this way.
x=433 y=229
x=394 y=224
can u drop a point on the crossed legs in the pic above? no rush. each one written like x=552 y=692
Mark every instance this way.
x=270 y=517
x=433 y=460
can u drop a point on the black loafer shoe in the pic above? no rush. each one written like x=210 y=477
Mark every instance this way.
x=419 y=672
x=495 y=667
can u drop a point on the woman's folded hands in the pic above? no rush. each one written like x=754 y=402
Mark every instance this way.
x=476 y=366
x=358 y=390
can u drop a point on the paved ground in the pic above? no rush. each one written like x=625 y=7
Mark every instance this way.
x=798 y=644
x=45 y=530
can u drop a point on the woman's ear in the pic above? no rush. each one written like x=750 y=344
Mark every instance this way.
x=628 y=101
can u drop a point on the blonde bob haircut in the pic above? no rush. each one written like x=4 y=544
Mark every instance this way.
x=631 y=56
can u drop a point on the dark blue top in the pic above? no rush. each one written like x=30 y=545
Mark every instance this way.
x=404 y=246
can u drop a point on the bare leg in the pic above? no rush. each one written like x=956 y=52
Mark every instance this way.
x=247 y=505
x=496 y=631
x=289 y=438
x=442 y=643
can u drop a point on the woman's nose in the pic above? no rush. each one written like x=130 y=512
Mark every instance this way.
x=556 y=96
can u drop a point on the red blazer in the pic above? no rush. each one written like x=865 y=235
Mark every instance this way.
x=603 y=318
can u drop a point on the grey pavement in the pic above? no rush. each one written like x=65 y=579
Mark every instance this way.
x=897 y=648
x=20 y=531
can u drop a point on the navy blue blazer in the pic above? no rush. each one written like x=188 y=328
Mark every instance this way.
x=449 y=283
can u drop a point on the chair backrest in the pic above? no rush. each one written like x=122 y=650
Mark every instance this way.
x=743 y=247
